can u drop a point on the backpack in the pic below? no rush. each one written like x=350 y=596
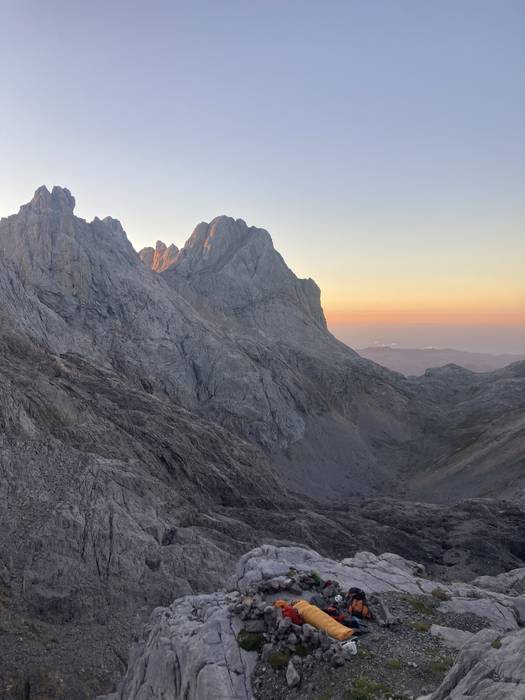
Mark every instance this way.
x=357 y=604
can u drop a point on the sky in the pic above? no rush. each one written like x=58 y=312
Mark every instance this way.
x=381 y=143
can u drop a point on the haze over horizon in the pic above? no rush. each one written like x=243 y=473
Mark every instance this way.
x=382 y=145
x=262 y=334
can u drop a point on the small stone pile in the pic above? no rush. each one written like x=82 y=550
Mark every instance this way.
x=282 y=643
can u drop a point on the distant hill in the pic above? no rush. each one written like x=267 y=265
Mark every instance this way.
x=414 y=361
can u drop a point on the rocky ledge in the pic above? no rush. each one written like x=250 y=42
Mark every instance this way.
x=234 y=644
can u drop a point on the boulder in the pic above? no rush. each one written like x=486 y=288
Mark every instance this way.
x=190 y=650
x=511 y=582
x=292 y=675
x=371 y=572
x=500 y=615
x=488 y=668
x=451 y=637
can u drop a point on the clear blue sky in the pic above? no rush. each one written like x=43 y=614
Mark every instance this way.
x=381 y=142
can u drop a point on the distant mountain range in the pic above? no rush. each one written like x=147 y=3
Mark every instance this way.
x=415 y=361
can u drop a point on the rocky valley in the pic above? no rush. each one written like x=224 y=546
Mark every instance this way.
x=163 y=413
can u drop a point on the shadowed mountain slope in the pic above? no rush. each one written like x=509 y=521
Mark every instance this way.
x=228 y=332
x=482 y=419
x=113 y=501
x=271 y=387
x=153 y=428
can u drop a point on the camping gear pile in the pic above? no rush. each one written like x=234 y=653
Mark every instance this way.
x=302 y=620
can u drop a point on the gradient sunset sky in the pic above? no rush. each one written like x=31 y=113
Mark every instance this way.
x=381 y=142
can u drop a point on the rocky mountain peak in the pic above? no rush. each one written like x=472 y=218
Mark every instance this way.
x=217 y=242
x=153 y=426
x=235 y=270
x=159 y=258
x=59 y=199
x=68 y=262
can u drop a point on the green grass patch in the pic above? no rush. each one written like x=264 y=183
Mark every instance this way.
x=302 y=649
x=420 y=626
x=440 y=665
x=366 y=689
x=278 y=660
x=250 y=641
x=496 y=644
x=393 y=664
x=440 y=594
x=421 y=606
x=316 y=577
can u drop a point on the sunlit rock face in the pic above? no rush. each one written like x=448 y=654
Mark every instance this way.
x=159 y=258
x=154 y=426
x=236 y=271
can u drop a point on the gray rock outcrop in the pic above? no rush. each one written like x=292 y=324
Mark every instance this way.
x=293 y=677
x=168 y=661
x=510 y=582
x=502 y=615
x=488 y=667
x=190 y=651
x=453 y=638
x=153 y=428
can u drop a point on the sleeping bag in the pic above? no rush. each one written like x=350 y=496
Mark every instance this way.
x=288 y=610
x=319 y=619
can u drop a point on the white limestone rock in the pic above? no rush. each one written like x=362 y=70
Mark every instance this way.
x=190 y=651
x=510 y=582
x=485 y=671
x=501 y=613
x=373 y=573
x=202 y=627
x=293 y=677
x=451 y=637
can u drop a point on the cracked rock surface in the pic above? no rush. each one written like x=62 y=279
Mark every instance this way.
x=488 y=667
x=169 y=660
x=154 y=426
x=190 y=650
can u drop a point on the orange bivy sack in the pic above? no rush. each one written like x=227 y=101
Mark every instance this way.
x=319 y=619
x=288 y=610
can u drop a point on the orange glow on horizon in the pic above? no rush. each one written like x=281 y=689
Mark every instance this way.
x=457 y=316
x=455 y=301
